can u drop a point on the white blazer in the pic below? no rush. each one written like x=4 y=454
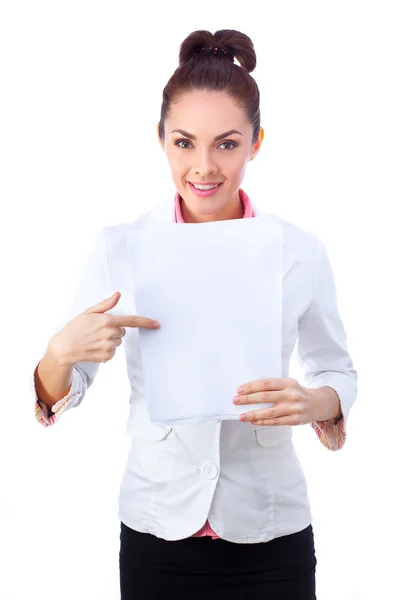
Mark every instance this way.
x=246 y=480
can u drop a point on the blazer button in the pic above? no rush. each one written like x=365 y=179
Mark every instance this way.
x=210 y=470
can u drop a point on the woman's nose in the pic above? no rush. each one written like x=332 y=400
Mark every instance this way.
x=205 y=164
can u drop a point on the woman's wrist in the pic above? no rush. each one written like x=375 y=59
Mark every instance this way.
x=56 y=353
x=327 y=404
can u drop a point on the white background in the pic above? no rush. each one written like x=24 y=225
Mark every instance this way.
x=81 y=84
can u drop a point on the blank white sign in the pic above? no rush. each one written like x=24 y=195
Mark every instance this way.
x=216 y=289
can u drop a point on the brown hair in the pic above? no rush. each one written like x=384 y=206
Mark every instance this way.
x=200 y=69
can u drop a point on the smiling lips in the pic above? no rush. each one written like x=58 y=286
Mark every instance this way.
x=204 y=190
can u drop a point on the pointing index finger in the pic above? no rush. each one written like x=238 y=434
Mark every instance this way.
x=135 y=321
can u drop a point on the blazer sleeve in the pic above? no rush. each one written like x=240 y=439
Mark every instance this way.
x=323 y=353
x=92 y=287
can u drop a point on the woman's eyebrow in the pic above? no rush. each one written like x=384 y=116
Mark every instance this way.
x=218 y=137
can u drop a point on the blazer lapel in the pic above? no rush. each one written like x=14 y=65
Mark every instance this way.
x=289 y=256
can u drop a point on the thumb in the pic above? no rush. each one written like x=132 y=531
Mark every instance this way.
x=105 y=304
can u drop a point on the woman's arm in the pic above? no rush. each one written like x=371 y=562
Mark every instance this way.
x=52 y=380
x=56 y=385
x=323 y=354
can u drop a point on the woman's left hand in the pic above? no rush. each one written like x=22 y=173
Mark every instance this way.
x=294 y=403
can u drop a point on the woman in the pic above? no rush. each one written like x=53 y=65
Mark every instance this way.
x=216 y=507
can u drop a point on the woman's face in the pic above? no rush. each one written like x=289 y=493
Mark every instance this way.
x=208 y=140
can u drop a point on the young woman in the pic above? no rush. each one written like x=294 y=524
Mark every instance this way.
x=217 y=508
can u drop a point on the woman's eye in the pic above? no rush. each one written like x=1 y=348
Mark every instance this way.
x=232 y=145
x=179 y=142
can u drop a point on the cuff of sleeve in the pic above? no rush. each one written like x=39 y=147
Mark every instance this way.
x=333 y=435
x=48 y=417
x=330 y=435
x=344 y=385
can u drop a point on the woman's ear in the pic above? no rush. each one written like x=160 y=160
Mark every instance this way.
x=160 y=141
x=257 y=145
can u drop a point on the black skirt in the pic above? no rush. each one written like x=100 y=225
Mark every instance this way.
x=207 y=569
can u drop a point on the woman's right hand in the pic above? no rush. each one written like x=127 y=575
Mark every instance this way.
x=93 y=336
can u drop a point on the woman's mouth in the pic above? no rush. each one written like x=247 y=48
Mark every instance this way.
x=204 y=190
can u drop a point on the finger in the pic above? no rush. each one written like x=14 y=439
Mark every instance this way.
x=120 y=332
x=278 y=421
x=256 y=419
x=277 y=415
x=111 y=355
x=105 y=304
x=134 y=321
x=283 y=410
x=277 y=383
x=258 y=397
x=270 y=422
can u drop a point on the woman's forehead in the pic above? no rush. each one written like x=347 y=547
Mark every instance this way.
x=205 y=99
x=211 y=110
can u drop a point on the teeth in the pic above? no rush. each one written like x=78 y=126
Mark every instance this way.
x=205 y=187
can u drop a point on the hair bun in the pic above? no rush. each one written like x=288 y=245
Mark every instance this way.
x=227 y=43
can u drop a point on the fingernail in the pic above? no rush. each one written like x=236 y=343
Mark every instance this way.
x=236 y=400
x=240 y=390
x=243 y=418
x=156 y=324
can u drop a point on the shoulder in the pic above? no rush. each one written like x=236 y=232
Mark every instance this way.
x=117 y=234
x=302 y=247
x=295 y=237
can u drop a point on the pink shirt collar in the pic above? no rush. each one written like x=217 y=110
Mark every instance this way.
x=248 y=209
